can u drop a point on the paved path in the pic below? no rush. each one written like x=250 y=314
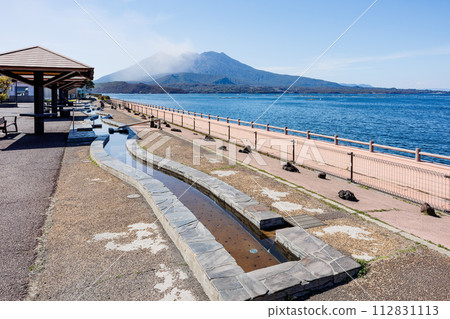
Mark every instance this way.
x=29 y=167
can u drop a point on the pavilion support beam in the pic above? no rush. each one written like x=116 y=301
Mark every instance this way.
x=61 y=95
x=38 y=102
x=54 y=96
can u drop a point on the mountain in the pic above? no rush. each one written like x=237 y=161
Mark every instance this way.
x=210 y=68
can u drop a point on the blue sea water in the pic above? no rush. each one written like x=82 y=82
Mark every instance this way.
x=406 y=121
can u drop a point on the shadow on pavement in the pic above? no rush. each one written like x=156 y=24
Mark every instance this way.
x=32 y=141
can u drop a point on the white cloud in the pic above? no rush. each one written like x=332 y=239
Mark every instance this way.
x=63 y=27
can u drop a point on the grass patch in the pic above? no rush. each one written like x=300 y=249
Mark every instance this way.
x=92 y=160
x=363 y=186
x=364 y=267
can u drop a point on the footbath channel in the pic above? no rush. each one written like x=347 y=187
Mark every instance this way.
x=252 y=249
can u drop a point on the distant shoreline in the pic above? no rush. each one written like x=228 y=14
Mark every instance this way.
x=142 y=88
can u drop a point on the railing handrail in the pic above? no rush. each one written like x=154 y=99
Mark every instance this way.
x=336 y=139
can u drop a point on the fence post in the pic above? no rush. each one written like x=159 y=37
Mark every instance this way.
x=351 y=166
x=267 y=127
x=228 y=119
x=418 y=154
x=217 y=118
x=209 y=116
x=371 y=146
x=251 y=124
x=293 y=151
x=336 y=141
x=201 y=115
x=239 y=121
x=285 y=130
x=307 y=135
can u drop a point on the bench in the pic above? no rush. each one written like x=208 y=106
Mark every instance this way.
x=4 y=124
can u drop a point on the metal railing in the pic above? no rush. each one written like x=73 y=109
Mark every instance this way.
x=404 y=179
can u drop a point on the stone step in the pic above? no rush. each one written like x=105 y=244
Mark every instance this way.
x=304 y=221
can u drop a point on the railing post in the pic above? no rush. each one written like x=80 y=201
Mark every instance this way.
x=371 y=146
x=194 y=113
x=267 y=127
x=251 y=124
x=201 y=115
x=418 y=154
x=209 y=128
x=351 y=166
x=228 y=119
x=209 y=116
x=293 y=151
x=239 y=122
x=308 y=136
x=285 y=130
x=217 y=118
x=336 y=141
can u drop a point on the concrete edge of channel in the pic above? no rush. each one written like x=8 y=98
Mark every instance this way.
x=212 y=265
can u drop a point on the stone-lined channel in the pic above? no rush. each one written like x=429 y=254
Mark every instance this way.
x=251 y=250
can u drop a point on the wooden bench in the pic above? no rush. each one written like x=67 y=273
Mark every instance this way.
x=4 y=124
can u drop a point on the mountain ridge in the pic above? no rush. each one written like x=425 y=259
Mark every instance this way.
x=206 y=68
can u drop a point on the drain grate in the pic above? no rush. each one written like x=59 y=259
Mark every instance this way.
x=304 y=221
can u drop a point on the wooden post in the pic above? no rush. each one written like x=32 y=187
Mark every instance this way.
x=418 y=154
x=54 y=99
x=38 y=102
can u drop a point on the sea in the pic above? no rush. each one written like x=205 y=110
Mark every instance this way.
x=400 y=120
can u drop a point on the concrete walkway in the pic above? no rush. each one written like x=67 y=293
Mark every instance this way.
x=29 y=166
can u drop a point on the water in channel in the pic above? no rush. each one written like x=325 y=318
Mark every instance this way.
x=248 y=249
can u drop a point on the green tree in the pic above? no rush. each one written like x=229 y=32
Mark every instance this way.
x=5 y=84
x=90 y=85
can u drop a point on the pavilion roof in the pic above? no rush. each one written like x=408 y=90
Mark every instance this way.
x=59 y=71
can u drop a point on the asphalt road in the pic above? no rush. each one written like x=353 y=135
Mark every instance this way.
x=29 y=168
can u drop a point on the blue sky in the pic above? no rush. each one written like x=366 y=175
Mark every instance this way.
x=398 y=43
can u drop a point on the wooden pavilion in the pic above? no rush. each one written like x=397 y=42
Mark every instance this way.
x=41 y=68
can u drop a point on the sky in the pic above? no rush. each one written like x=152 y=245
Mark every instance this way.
x=397 y=43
